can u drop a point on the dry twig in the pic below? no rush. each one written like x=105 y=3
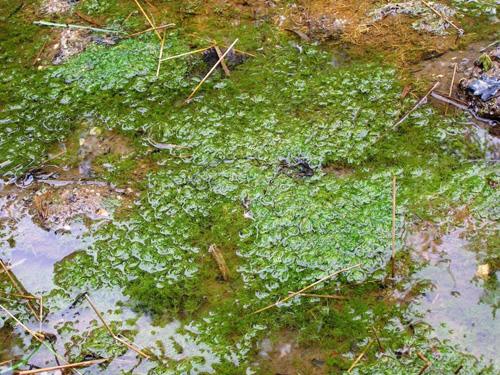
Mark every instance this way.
x=64 y=367
x=111 y=332
x=304 y=289
x=427 y=363
x=211 y=71
x=451 y=88
x=418 y=104
x=148 y=19
x=161 y=52
x=378 y=340
x=361 y=355
x=40 y=51
x=460 y=31
x=221 y=263
x=20 y=295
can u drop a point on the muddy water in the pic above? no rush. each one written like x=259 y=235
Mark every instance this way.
x=457 y=304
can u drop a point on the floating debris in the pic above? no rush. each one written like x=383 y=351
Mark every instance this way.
x=481 y=86
x=223 y=268
x=483 y=271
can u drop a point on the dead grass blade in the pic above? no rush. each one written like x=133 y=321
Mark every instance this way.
x=148 y=30
x=188 y=53
x=360 y=357
x=320 y=296
x=148 y=19
x=36 y=337
x=211 y=71
x=304 y=289
x=111 y=332
x=161 y=52
x=393 y=254
x=64 y=367
x=418 y=104
x=6 y=270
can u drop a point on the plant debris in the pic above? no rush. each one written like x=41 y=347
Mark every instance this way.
x=481 y=86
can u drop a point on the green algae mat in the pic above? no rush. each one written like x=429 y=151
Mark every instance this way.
x=281 y=167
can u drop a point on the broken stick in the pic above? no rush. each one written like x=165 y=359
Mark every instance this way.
x=63 y=367
x=427 y=363
x=223 y=63
x=223 y=268
x=451 y=88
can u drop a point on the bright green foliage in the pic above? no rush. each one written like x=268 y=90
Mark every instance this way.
x=477 y=8
x=261 y=139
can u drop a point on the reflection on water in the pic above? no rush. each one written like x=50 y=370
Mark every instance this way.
x=27 y=247
x=459 y=305
x=32 y=252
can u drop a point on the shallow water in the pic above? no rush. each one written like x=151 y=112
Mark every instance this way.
x=458 y=305
x=32 y=252
x=282 y=173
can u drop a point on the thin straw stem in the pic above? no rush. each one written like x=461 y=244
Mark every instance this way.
x=211 y=71
x=161 y=52
x=361 y=355
x=111 y=332
x=304 y=289
x=63 y=367
x=36 y=337
x=148 y=30
x=18 y=288
x=187 y=53
x=148 y=19
x=393 y=254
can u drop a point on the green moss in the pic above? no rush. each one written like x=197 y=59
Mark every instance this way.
x=254 y=185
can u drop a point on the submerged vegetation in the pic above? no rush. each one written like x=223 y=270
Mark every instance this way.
x=285 y=167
